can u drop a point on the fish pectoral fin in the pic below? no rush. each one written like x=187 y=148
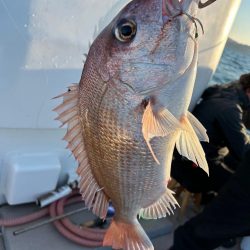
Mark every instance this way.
x=157 y=122
x=161 y=207
x=200 y=131
x=189 y=145
x=68 y=113
x=127 y=235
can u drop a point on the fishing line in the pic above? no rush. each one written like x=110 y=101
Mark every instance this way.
x=194 y=20
x=153 y=89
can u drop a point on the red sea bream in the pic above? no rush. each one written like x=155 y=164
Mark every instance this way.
x=130 y=110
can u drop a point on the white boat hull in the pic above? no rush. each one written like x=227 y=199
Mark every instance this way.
x=42 y=53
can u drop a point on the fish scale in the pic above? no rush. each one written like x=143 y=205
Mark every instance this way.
x=123 y=124
x=131 y=156
x=114 y=145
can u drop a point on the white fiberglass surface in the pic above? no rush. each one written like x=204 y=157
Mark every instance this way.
x=42 y=45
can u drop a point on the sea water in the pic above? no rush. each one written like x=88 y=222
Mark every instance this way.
x=234 y=62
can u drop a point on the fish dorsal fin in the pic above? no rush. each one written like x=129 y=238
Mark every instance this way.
x=68 y=113
x=163 y=206
x=157 y=122
x=189 y=145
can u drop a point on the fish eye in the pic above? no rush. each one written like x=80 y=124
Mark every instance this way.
x=125 y=31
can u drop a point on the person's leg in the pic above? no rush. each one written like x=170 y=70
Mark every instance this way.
x=226 y=217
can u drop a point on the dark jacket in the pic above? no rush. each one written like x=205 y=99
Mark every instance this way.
x=221 y=112
x=226 y=217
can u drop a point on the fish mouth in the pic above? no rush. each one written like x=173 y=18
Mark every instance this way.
x=171 y=9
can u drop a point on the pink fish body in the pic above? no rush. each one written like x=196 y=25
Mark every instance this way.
x=129 y=111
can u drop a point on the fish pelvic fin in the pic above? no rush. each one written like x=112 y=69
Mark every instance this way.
x=157 y=121
x=127 y=236
x=200 y=131
x=68 y=114
x=163 y=206
x=188 y=143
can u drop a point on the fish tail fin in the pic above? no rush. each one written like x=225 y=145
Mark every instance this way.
x=127 y=236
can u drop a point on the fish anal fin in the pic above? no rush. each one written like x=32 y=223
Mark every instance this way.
x=127 y=236
x=163 y=206
x=101 y=204
x=68 y=113
x=157 y=122
x=188 y=145
x=93 y=195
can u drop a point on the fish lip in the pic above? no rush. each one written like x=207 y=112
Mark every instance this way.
x=172 y=9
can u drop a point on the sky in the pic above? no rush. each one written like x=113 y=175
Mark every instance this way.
x=241 y=29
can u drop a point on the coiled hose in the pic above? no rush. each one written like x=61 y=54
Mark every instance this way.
x=88 y=237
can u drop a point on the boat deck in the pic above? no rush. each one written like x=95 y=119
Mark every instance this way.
x=47 y=237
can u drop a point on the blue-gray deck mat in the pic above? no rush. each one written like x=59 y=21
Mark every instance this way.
x=47 y=237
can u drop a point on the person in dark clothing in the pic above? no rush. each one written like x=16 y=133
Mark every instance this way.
x=226 y=217
x=221 y=112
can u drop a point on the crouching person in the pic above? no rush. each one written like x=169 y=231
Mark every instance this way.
x=226 y=217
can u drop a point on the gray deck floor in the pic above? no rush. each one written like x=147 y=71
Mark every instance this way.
x=47 y=237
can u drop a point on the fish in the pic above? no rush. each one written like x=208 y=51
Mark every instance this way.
x=130 y=110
